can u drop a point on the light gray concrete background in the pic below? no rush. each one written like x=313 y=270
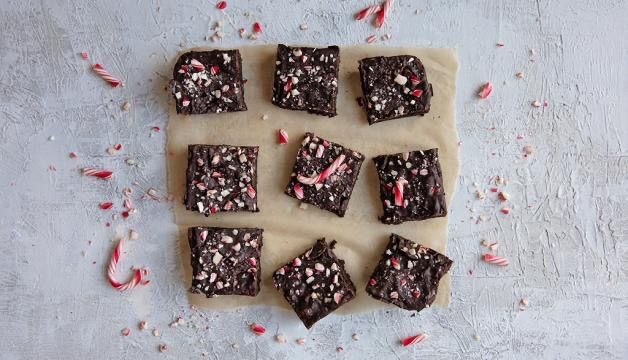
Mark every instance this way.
x=566 y=234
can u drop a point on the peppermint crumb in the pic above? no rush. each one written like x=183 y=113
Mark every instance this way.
x=73 y=155
x=476 y=337
x=355 y=337
x=340 y=349
x=131 y=162
x=51 y=138
x=529 y=149
x=303 y=27
x=264 y=117
x=134 y=235
x=523 y=303
x=281 y=339
x=520 y=75
x=536 y=103
x=126 y=106
x=163 y=348
x=480 y=194
x=235 y=346
x=143 y=325
x=532 y=51
x=301 y=341
x=155 y=332
x=126 y=332
x=303 y=206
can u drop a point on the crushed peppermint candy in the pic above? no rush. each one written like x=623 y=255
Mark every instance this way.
x=383 y=14
x=280 y=338
x=221 y=5
x=105 y=75
x=84 y=55
x=503 y=196
x=536 y=103
x=105 y=205
x=283 y=136
x=257 y=28
x=126 y=332
x=368 y=11
x=486 y=90
x=300 y=341
x=99 y=173
x=411 y=340
x=371 y=39
x=163 y=348
x=495 y=260
x=258 y=329
x=143 y=325
x=73 y=155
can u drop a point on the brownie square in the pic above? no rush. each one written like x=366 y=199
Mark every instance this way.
x=315 y=283
x=208 y=82
x=221 y=178
x=394 y=87
x=324 y=174
x=225 y=261
x=408 y=274
x=307 y=79
x=411 y=186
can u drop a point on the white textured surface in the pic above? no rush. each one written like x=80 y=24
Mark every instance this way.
x=567 y=234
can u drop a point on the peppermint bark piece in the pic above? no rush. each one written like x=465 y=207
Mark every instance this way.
x=225 y=261
x=394 y=87
x=408 y=274
x=208 y=82
x=324 y=174
x=315 y=283
x=306 y=78
x=221 y=178
x=411 y=186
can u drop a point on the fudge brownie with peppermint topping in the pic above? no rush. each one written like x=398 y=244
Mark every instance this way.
x=324 y=174
x=225 y=261
x=221 y=178
x=408 y=274
x=411 y=186
x=315 y=283
x=307 y=79
x=208 y=82
x=394 y=87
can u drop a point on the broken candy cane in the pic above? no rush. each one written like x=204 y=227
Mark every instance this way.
x=257 y=28
x=320 y=178
x=382 y=15
x=99 y=173
x=366 y=12
x=496 y=260
x=399 y=184
x=298 y=191
x=221 y=5
x=258 y=329
x=112 y=80
x=197 y=65
x=111 y=271
x=411 y=340
x=486 y=90
x=283 y=135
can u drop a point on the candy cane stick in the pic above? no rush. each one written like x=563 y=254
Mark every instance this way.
x=496 y=260
x=366 y=12
x=381 y=16
x=99 y=173
x=112 y=80
x=399 y=184
x=111 y=271
x=320 y=178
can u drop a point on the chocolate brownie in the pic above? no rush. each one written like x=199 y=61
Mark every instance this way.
x=208 y=82
x=408 y=274
x=307 y=79
x=221 y=178
x=315 y=283
x=225 y=261
x=394 y=87
x=324 y=174
x=411 y=186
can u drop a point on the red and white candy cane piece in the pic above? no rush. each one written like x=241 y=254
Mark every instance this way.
x=495 y=260
x=99 y=173
x=320 y=178
x=197 y=65
x=371 y=39
x=298 y=191
x=411 y=340
x=221 y=5
x=382 y=15
x=398 y=189
x=84 y=55
x=487 y=89
x=283 y=136
x=251 y=192
x=112 y=80
x=368 y=11
x=257 y=28
x=258 y=329
x=111 y=271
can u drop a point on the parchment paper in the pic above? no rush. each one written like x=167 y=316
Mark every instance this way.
x=289 y=230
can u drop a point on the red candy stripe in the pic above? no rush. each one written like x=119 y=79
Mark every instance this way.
x=112 y=80
x=320 y=178
x=197 y=65
x=411 y=340
x=106 y=205
x=258 y=329
x=382 y=15
x=495 y=260
x=111 y=271
x=99 y=173
x=398 y=189
x=298 y=191
x=366 y=12
x=283 y=136
x=257 y=28
x=221 y=5
x=487 y=89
